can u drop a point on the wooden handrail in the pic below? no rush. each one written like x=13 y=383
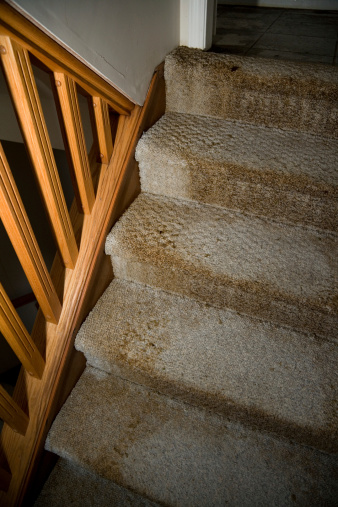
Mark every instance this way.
x=20 y=79
x=11 y=413
x=20 y=232
x=13 y=329
x=58 y=59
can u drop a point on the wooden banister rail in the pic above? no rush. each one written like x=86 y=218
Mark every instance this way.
x=80 y=270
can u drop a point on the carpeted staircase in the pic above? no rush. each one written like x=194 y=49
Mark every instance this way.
x=212 y=357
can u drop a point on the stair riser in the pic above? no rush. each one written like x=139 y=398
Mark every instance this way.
x=267 y=110
x=248 y=370
x=251 y=90
x=249 y=417
x=222 y=293
x=240 y=195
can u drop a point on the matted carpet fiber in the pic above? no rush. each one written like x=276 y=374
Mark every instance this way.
x=212 y=363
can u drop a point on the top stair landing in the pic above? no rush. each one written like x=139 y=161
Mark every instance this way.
x=287 y=95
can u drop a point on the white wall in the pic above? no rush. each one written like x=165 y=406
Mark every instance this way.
x=289 y=4
x=123 y=40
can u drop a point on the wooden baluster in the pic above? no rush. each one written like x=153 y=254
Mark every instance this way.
x=11 y=413
x=24 y=93
x=101 y=113
x=13 y=329
x=66 y=89
x=22 y=237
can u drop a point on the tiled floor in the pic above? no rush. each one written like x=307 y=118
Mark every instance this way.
x=287 y=34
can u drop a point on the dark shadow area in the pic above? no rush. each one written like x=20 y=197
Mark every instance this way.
x=41 y=473
x=5 y=473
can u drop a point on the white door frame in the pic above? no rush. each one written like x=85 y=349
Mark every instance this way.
x=197 y=23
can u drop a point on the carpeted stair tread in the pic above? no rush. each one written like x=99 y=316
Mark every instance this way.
x=284 y=175
x=289 y=95
x=255 y=372
x=254 y=266
x=212 y=361
x=176 y=454
x=70 y=484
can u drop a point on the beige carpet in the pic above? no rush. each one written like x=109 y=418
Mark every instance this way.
x=212 y=357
